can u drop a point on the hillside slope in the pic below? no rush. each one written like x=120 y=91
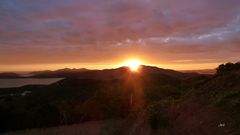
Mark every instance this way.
x=211 y=107
x=145 y=103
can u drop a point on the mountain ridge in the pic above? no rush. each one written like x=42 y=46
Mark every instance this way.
x=100 y=74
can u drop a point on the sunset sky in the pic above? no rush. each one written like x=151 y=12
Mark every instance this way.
x=176 y=34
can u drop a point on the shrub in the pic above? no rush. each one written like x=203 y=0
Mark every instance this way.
x=157 y=116
x=223 y=68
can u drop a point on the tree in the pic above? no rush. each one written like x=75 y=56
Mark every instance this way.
x=228 y=67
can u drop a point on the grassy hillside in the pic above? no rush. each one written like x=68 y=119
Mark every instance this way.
x=147 y=103
x=105 y=127
x=76 y=100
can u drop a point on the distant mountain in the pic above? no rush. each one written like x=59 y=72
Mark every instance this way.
x=61 y=73
x=108 y=73
x=8 y=75
x=169 y=72
x=200 y=71
x=98 y=74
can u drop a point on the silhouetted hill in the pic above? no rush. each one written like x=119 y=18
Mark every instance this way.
x=108 y=73
x=98 y=74
x=61 y=73
x=201 y=71
x=7 y=75
x=169 y=72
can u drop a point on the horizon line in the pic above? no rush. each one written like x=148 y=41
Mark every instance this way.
x=115 y=67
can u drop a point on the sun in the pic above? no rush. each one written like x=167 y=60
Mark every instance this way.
x=133 y=64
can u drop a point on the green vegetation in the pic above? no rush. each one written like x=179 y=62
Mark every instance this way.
x=167 y=103
x=156 y=113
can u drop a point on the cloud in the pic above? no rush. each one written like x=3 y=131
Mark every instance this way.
x=95 y=28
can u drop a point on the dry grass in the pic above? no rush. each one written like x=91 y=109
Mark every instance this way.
x=106 y=127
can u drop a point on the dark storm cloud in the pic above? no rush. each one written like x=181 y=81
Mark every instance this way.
x=92 y=28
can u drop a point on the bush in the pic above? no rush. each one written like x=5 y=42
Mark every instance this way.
x=157 y=116
x=223 y=68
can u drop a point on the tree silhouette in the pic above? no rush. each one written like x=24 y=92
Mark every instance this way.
x=228 y=67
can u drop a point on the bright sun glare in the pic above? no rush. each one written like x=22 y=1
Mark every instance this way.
x=133 y=64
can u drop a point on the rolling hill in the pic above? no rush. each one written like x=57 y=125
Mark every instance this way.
x=154 y=100
x=107 y=73
x=8 y=75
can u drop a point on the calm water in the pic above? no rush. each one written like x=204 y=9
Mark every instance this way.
x=6 y=83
